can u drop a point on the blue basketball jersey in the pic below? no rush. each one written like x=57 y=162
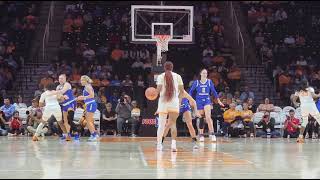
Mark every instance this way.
x=203 y=90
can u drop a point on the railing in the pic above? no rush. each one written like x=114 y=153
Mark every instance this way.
x=46 y=34
x=235 y=26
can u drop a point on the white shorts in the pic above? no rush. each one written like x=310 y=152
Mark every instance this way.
x=48 y=112
x=307 y=109
x=167 y=107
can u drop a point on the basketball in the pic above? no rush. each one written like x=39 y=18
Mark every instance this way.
x=151 y=93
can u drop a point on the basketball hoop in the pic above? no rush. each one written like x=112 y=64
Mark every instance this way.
x=162 y=45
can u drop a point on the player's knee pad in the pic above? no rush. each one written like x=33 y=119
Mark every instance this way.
x=70 y=116
x=201 y=123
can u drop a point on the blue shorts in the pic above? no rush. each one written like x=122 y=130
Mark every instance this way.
x=318 y=104
x=184 y=108
x=91 y=107
x=72 y=105
x=201 y=103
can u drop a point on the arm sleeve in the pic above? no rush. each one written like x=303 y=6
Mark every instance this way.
x=213 y=90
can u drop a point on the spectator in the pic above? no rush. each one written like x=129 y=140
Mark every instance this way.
x=39 y=91
x=218 y=28
x=135 y=117
x=246 y=94
x=88 y=53
x=280 y=15
x=19 y=104
x=207 y=60
x=109 y=118
x=291 y=126
x=115 y=81
x=259 y=39
x=34 y=121
x=137 y=66
x=78 y=23
x=147 y=65
x=229 y=117
x=3 y=131
x=266 y=107
x=7 y=108
x=301 y=61
x=246 y=115
x=140 y=82
x=15 y=125
x=87 y=17
x=238 y=104
x=289 y=40
x=34 y=107
x=127 y=81
x=10 y=48
x=207 y=51
x=67 y=25
x=123 y=110
x=251 y=105
x=267 y=124
x=117 y=53
x=312 y=128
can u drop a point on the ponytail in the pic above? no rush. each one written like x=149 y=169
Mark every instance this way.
x=169 y=86
x=170 y=90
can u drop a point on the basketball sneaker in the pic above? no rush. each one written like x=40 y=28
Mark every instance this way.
x=77 y=137
x=201 y=139
x=159 y=147
x=174 y=146
x=93 y=138
x=63 y=137
x=213 y=138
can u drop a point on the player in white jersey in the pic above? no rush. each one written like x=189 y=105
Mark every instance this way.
x=169 y=88
x=308 y=107
x=48 y=100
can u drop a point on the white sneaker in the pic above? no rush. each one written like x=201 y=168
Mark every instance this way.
x=313 y=135
x=307 y=136
x=159 y=147
x=174 y=146
x=251 y=135
x=213 y=138
x=195 y=146
x=201 y=139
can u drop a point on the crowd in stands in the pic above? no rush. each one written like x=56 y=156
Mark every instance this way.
x=285 y=35
x=18 y=20
x=95 y=42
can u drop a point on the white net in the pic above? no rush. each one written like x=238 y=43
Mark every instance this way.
x=162 y=45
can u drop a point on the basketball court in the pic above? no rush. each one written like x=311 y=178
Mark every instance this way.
x=137 y=158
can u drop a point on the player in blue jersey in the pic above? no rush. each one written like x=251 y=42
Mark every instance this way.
x=186 y=103
x=204 y=88
x=68 y=107
x=90 y=106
